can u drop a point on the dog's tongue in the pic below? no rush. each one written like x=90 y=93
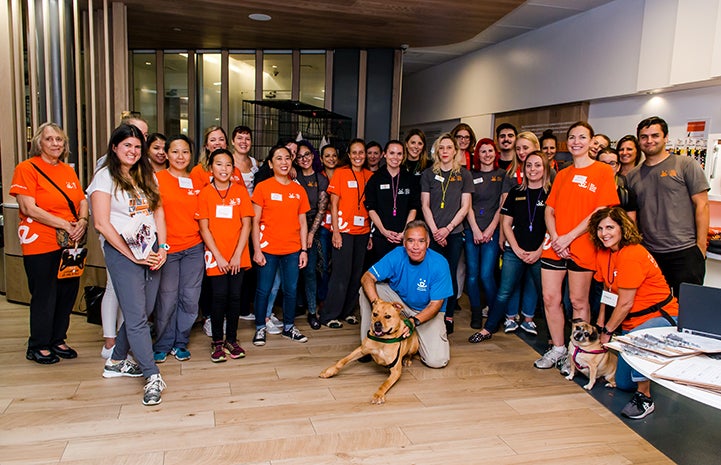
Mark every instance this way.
x=378 y=333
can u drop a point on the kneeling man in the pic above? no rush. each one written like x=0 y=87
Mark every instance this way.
x=420 y=280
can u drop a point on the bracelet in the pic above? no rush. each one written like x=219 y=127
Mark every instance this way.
x=303 y=250
x=87 y=220
x=605 y=330
x=416 y=321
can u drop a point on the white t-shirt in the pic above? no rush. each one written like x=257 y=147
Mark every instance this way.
x=123 y=207
x=248 y=177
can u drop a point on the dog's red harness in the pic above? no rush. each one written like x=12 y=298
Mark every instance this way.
x=578 y=349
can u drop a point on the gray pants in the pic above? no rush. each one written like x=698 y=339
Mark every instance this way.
x=434 y=348
x=177 y=307
x=136 y=287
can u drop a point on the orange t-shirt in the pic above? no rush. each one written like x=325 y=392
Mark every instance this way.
x=575 y=194
x=35 y=237
x=282 y=206
x=202 y=177
x=350 y=187
x=633 y=267
x=224 y=211
x=180 y=202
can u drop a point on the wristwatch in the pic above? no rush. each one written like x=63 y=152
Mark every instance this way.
x=416 y=321
x=165 y=247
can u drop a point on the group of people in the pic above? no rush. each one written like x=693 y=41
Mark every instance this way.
x=396 y=220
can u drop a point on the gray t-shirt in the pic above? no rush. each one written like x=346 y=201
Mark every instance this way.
x=666 y=214
x=487 y=189
x=445 y=205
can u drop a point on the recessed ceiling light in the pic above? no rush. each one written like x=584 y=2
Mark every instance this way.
x=259 y=17
x=177 y=29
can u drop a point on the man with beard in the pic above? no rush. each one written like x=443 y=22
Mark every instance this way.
x=506 y=141
x=420 y=280
x=673 y=215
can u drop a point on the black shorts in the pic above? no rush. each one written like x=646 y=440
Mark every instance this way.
x=561 y=264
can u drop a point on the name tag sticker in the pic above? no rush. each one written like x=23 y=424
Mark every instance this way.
x=185 y=183
x=609 y=298
x=278 y=197
x=579 y=179
x=353 y=184
x=385 y=187
x=223 y=211
x=359 y=221
x=439 y=178
x=477 y=180
x=328 y=218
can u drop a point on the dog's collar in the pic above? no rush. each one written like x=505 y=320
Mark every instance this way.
x=407 y=322
x=579 y=349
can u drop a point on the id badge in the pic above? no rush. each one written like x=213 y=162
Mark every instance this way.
x=609 y=298
x=359 y=221
x=352 y=184
x=185 y=183
x=439 y=178
x=223 y=211
x=477 y=180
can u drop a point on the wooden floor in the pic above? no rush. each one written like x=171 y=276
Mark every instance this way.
x=488 y=406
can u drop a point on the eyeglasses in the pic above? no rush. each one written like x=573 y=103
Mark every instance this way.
x=303 y=156
x=612 y=163
x=458 y=136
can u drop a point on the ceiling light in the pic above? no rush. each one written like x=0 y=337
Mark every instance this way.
x=259 y=17
x=177 y=29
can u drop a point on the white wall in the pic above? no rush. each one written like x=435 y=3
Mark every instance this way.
x=609 y=55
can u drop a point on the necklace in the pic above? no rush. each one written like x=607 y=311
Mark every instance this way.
x=222 y=197
x=532 y=216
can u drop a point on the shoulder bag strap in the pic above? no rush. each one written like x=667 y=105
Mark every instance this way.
x=70 y=202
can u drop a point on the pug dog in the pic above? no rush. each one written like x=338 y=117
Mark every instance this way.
x=588 y=356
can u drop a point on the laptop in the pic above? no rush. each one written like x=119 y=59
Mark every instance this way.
x=699 y=310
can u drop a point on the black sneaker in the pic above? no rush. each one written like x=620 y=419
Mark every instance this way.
x=313 y=321
x=259 y=338
x=449 y=326
x=638 y=407
x=294 y=335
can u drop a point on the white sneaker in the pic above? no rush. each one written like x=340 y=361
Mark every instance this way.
x=272 y=328
x=153 y=387
x=248 y=317
x=276 y=321
x=107 y=353
x=484 y=312
x=209 y=329
x=550 y=358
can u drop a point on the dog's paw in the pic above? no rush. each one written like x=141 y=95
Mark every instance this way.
x=407 y=362
x=610 y=385
x=328 y=372
x=570 y=377
x=588 y=386
x=378 y=399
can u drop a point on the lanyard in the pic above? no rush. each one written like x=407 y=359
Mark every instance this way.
x=394 y=188
x=444 y=189
x=610 y=277
x=222 y=197
x=358 y=191
x=532 y=217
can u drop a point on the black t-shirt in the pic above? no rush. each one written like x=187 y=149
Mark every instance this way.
x=524 y=206
x=313 y=184
x=379 y=197
x=487 y=189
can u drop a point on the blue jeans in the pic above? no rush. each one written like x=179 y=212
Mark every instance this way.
x=481 y=261
x=452 y=253
x=310 y=279
x=288 y=267
x=515 y=274
x=627 y=377
x=177 y=306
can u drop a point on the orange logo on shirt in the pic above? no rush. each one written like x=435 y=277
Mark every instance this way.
x=670 y=172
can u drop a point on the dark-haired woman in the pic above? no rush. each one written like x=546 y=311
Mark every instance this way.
x=124 y=198
x=177 y=306
x=549 y=146
x=578 y=191
x=632 y=280
x=392 y=200
x=316 y=186
x=466 y=139
x=446 y=190
x=415 y=154
x=374 y=155
x=351 y=230
x=43 y=209
x=156 y=151
x=482 y=231
x=629 y=153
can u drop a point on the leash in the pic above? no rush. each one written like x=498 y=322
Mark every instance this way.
x=578 y=349
x=395 y=339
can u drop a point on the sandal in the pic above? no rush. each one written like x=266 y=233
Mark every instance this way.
x=351 y=320
x=479 y=337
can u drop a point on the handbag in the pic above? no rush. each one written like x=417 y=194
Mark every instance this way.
x=72 y=262
x=62 y=237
